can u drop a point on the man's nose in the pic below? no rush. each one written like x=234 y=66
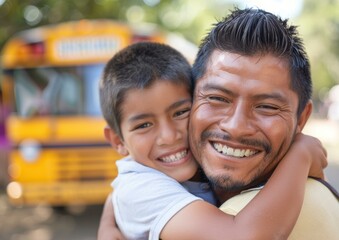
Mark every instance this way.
x=238 y=122
x=168 y=134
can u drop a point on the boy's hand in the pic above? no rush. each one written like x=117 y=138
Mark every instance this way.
x=312 y=149
x=109 y=233
x=108 y=230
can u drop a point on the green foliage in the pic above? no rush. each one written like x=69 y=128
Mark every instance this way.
x=319 y=26
x=190 y=17
x=319 y=22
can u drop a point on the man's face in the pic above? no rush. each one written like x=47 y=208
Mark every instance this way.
x=243 y=119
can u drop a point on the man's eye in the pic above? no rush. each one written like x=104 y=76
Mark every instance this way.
x=268 y=108
x=218 y=99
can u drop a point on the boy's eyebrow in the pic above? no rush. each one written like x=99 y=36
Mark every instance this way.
x=179 y=103
x=139 y=116
x=171 y=107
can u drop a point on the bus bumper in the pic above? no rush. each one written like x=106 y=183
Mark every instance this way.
x=58 y=194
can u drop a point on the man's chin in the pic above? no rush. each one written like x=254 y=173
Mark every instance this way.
x=227 y=184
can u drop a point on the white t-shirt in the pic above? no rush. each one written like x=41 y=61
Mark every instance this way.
x=145 y=199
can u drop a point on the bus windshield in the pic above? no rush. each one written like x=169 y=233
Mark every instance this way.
x=57 y=90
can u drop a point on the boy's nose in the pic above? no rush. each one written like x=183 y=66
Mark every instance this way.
x=168 y=134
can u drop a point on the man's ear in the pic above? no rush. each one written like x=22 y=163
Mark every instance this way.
x=115 y=141
x=305 y=115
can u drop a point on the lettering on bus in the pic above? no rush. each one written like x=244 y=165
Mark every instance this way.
x=87 y=47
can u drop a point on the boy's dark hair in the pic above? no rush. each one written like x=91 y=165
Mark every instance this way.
x=252 y=32
x=138 y=66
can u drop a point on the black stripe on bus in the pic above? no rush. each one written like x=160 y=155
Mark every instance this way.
x=71 y=145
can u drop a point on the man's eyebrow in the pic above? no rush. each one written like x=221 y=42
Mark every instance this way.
x=273 y=95
x=211 y=86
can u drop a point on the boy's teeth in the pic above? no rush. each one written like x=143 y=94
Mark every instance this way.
x=233 y=152
x=175 y=157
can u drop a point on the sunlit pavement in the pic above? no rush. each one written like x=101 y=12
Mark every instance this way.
x=43 y=223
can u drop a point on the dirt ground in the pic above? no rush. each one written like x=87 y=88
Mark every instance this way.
x=44 y=223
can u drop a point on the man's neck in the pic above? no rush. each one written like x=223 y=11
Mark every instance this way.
x=224 y=196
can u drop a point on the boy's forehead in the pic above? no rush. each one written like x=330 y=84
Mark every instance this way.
x=157 y=93
x=163 y=82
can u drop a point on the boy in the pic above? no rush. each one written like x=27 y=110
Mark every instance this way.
x=145 y=98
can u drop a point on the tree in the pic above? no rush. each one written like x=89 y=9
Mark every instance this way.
x=319 y=23
x=192 y=18
x=319 y=26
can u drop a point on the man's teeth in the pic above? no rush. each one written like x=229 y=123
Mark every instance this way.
x=233 y=152
x=175 y=157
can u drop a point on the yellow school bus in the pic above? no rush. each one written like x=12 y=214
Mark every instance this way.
x=50 y=79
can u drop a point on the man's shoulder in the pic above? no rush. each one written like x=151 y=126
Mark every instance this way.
x=320 y=189
x=316 y=193
x=320 y=200
x=319 y=216
x=235 y=204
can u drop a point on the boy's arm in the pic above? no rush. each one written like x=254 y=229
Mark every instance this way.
x=287 y=184
x=272 y=214
x=108 y=230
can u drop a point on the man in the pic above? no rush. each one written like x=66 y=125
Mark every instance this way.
x=252 y=96
x=253 y=91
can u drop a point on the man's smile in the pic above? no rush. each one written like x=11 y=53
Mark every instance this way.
x=234 y=152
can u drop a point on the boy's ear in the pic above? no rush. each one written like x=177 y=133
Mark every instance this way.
x=115 y=141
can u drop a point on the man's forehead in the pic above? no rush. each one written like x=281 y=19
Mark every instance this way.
x=228 y=61
x=271 y=71
x=233 y=58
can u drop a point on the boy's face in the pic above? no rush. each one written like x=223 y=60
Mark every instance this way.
x=154 y=126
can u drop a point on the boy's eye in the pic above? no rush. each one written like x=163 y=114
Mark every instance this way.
x=143 y=125
x=182 y=113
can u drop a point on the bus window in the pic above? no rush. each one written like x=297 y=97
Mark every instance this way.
x=68 y=99
x=31 y=88
x=92 y=75
x=59 y=91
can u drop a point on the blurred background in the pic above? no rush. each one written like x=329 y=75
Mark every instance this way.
x=55 y=166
